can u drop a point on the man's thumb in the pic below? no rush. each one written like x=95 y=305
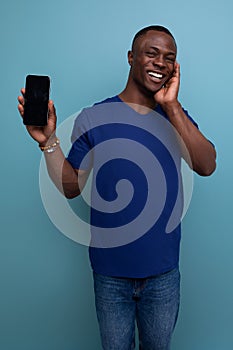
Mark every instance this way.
x=51 y=109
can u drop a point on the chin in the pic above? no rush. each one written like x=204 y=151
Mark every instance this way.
x=155 y=89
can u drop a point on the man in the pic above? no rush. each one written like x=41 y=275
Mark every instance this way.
x=138 y=280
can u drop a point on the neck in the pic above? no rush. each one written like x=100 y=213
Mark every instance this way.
x=143 y=100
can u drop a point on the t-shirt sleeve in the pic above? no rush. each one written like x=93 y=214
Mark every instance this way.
x=80 y=155
x=193 y=121
x=190 y=118
x=161 y=111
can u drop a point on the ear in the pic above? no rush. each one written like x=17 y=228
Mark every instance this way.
x=130 y=57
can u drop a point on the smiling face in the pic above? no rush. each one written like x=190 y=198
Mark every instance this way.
x=152 y=61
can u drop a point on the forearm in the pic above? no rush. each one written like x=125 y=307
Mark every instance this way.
x=62 y=173
x=201 y=151
x=69 y=181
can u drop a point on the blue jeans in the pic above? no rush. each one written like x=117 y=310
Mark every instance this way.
x=152 y=302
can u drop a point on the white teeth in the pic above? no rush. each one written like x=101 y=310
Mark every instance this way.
x=156 y=75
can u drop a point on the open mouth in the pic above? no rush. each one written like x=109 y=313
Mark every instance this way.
x=156 y=76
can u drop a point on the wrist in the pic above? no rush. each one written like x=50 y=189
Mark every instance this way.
x=48 y=141
x=50 y=146
x=171 y=108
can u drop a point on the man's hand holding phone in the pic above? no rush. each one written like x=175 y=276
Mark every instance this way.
x=41 y=134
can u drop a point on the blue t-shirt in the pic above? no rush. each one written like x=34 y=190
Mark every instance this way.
x=137 y=193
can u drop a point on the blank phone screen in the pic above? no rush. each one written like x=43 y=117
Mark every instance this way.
x=36 y=100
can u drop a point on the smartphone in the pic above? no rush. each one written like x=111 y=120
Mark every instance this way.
x=36 y=98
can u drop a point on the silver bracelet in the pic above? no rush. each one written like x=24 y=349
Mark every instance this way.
x=50 y=148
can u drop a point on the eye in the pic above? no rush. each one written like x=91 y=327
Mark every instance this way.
x=170 y=59
x=150 y=53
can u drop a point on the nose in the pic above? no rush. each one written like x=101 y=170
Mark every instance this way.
x=159 y=61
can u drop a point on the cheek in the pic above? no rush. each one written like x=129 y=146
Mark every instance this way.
x=148 y=64
x=171 y=68
x=141 y=61
x=139 y=67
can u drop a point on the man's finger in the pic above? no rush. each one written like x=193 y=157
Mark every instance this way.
x=177 y=69
x=51 y=109
x=21 y=100
x=21 y=109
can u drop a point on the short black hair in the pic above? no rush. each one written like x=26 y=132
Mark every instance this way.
x=157 y=28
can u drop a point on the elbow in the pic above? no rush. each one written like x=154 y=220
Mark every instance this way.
x=211 y=170
x=211 y=165
x=208 y=165
x=207 y=172
x=70 y=192
x=207 y=169
x=71 y=195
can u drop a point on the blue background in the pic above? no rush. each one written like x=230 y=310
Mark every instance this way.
x=46 y=299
